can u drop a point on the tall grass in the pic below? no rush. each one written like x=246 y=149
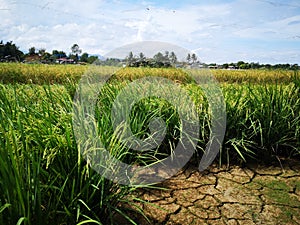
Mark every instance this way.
x=263 y=121
x=43 y=179
x=142 y=113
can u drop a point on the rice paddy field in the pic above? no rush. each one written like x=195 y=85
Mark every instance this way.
x=45 y=180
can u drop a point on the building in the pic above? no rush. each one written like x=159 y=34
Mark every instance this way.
x=65 y=61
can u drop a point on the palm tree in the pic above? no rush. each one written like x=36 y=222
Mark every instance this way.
x=76 y=51
x=173 y=58
x=142 y=59
x=130 y=59
x=142 y=56
x=194 y=58
x=188 y=58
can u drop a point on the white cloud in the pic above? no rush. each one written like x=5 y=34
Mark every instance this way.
x=279 y=29
x=221 y=32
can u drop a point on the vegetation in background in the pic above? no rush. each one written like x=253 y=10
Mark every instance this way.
x=64 y=74
x=157 y=61
x=10 y=53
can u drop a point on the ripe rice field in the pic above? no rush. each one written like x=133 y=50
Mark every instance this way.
x=61 y=74
x=43 y=178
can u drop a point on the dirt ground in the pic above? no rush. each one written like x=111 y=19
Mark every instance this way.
x=252 y=194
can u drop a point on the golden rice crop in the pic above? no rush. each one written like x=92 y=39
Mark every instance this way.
x=61 y=74
x=254 y=76
x=39 y=73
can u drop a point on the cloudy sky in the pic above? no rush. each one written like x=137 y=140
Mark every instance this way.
x=265 y=31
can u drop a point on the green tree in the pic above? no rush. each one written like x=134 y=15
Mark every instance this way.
x=159 y=57
x=54 y=52
x=244 y=66
x=130 y=55
x=161 y=61
x=194 y=58
x=142 y=56
x=254 y=65
x=141 y=60
x=76 y=51
x=130 y=59
x=46 y=56
x=10 y=52
x=173 y=58
x=225 y=66
x=295 y=67
x=167 y=55
x=42 y=51
x=268 y=66
x=58 y=54
x=84 y=57
x=31 y=51
x=239 y=63
x=188 y=58
x=92 y=59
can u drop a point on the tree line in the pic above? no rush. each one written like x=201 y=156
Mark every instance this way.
x=158 y=60
x=168 y=59
x=252 y=65
x=9 y=52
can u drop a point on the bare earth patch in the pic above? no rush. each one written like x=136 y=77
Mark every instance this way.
x=250 y=195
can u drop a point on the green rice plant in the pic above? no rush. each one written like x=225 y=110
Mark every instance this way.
x=238 y=142
x=43 y=178
x=296 y=78
x=277 y=118
x=263 y=121
x=142 y=113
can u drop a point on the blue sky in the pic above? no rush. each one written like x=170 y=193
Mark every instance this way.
x=265 y=31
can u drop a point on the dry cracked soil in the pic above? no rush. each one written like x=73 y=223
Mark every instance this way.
x=252 y=194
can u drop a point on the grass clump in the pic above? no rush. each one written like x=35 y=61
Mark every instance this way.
x=43 y=178
x=263 y=120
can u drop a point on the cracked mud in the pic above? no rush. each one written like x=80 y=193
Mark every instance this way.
x=236 y=195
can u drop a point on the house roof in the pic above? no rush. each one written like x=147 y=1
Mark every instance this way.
x=65 y=60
